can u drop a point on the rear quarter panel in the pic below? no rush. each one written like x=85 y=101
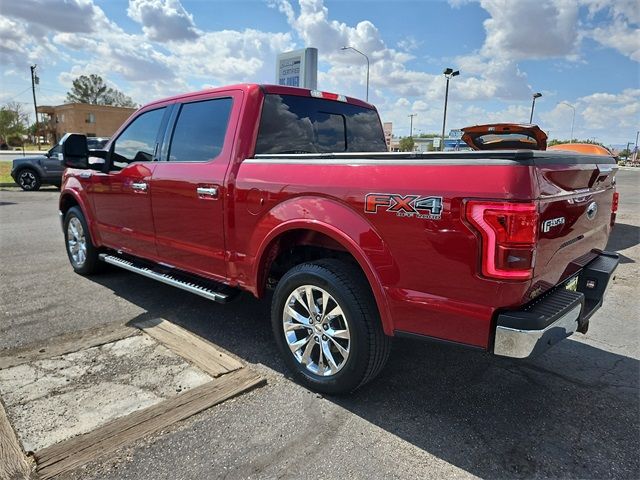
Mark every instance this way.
x=428 y=269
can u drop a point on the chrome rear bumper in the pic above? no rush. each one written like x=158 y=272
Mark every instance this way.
x=555 y=315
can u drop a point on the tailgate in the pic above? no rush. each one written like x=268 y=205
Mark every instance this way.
x=576 y=197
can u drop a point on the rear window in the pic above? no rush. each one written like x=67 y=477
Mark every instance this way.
x=292 y=124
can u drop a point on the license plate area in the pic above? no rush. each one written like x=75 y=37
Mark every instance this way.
x=572 y=284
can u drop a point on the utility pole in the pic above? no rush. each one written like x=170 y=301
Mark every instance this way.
x=35 y=80
x=411 y=124
x=635 y=149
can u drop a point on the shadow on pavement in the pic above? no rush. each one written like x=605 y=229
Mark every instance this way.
x=623 y=236
x=571 y=413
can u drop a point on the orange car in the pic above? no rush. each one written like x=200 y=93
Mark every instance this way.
x=586 y=148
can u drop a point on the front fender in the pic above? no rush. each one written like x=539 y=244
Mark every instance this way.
x=340 y=223
x=73 y=192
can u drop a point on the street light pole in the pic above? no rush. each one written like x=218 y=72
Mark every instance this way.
x=448 y=73
x=573 y=118
x=367 y=58
x=533 y=105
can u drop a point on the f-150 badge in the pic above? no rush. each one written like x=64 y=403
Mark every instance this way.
x=429 y=208
x=553 y=222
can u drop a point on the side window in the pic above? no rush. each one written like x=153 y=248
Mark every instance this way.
x=200 y=130
x=138 y=142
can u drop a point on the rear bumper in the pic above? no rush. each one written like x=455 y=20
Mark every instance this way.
x=534 y=328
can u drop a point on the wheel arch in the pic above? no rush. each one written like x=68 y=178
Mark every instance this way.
x=334 y=227
x=71 y=198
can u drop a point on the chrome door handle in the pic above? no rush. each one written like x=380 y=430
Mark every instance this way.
x=139 y=186
x=207 y=191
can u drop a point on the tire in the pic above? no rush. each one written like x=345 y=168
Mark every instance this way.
x=82 y=254
x=354 y=324
x=28 y=180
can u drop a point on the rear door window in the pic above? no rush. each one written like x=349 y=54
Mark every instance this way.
x=199 y=131
x=293 y=124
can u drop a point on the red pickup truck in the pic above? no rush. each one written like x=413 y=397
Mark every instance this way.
x=256 y=187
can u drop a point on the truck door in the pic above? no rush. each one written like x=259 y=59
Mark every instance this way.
x=53 y=165
x=121 y=197
x=187 y=188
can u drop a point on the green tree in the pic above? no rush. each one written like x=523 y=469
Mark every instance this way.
x=13 y=123
x=92 y=89
x=407 y=144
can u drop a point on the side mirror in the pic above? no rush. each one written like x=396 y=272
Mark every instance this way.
x=75 y=151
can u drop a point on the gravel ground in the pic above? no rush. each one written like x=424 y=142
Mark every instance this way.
x=435 y=411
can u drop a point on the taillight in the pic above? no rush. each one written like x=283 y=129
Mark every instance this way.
x=509 y=235
x=614 y=203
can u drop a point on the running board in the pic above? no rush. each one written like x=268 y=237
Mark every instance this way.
x=203 y=291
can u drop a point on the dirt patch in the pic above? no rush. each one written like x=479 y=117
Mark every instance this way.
x=58 y=398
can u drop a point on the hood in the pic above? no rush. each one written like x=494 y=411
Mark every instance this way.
x=505 y=136
x=29 y=159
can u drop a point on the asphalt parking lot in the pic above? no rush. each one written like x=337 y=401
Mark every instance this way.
x=435 y=411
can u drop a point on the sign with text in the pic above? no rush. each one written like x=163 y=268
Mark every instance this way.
x=298 y=68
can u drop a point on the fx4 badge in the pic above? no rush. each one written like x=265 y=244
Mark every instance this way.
x=429 y=208
x=552 y=222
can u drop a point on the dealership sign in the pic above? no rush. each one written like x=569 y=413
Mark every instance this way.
x=298 y=68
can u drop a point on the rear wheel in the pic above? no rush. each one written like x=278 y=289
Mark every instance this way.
x=327 y=326
x=29 y=180
x=82 y=254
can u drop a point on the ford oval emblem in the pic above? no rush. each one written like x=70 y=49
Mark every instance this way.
x=592 y=210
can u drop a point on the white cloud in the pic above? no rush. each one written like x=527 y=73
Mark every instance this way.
x=68 y=16
x=163 y=20
x=530 y=29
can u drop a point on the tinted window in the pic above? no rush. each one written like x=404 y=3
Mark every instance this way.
x=200 y=129
x=292 y=124
x=137 y=143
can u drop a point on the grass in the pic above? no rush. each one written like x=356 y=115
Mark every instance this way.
x=5 y=170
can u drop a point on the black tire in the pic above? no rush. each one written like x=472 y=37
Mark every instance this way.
x=91 y=263
x=368 y=345
x=28 y=180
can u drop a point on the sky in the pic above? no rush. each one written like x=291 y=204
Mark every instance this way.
x=584 y=53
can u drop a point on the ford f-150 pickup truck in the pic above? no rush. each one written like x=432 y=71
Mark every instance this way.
x=258 y=187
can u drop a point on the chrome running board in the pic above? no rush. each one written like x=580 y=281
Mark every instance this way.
x=167 y=278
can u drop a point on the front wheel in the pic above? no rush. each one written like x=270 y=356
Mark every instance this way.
x=82 y=254
x=327 y=326
x=29 y=180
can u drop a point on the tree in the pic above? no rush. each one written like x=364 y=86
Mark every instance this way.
x=407 y=144
x=92 y=89
x=13 y=123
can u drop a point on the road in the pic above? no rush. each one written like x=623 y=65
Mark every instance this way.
x=435 y=411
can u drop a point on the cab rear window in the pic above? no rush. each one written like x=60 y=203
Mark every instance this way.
x=293 y=124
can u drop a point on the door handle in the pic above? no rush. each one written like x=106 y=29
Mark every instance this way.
x=139 y=186
x=211 y=192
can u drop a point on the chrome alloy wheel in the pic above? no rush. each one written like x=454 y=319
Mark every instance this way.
x=316 y=330
x=27 y=180
x=76 y=242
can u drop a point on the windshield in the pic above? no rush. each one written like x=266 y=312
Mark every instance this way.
x=293 y=124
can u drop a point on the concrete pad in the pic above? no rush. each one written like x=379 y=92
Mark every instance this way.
x=55 y=399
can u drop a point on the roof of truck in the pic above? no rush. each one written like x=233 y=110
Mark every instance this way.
x=268 y=88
